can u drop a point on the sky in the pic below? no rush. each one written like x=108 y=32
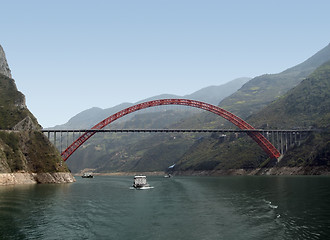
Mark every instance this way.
x=67 y=56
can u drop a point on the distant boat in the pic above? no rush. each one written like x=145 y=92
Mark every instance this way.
x=140 y=182
x=169 y=170
x=172 y=166
x=87 y=175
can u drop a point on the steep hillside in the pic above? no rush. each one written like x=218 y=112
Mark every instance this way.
x=306 y=105
x=12 y=104
x=23 y=148
x=262 y=90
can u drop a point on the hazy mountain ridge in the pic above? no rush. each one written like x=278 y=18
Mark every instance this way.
x=262 y=90
x=306 y=105
x=211 y=94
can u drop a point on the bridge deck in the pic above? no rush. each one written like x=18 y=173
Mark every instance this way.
x=174 y=130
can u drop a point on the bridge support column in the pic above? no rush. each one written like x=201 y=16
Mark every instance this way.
x=282 y=146
x=67 y=139
x=61 y=141
x=299 y=139
x=55 y=139
x=278 y=142
x=286 y=142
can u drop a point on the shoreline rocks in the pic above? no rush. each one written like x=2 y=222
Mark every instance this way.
x=35 y=178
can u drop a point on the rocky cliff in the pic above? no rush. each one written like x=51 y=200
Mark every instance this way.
x=26 y=155
x=4 y=68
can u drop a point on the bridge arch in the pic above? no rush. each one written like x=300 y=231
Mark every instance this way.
x=271 y=151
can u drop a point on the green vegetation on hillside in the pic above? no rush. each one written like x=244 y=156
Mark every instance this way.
x=26 y=150
x=11 y=101
x=221 y=153
x=315 y=151
x=29 y=152
x=306 y=105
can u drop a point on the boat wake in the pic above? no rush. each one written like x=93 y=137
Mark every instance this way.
x=141 y=188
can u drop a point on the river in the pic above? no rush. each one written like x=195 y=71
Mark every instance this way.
x=238 y=207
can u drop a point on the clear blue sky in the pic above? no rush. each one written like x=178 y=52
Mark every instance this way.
x=68 y=56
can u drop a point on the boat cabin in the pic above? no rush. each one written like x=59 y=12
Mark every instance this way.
x=140 y=181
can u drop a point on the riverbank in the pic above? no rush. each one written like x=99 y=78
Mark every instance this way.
x=283 y=171
x=153 y=173
x=34 y=178
x=276 y=171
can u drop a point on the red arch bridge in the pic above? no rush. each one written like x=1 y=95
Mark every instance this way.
x=282 y=138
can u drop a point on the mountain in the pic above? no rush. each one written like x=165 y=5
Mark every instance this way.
x=88 y=118
x=306 y=105
x=262 y=90
x=24 y=149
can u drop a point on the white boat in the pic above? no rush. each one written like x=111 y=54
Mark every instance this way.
x=140 y=182
x=87 y=175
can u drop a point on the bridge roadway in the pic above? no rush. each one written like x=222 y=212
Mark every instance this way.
x=175 y=130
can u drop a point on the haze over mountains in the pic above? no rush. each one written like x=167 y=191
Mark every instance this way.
x=150 y=152
x=211 y=94
x=262 y=90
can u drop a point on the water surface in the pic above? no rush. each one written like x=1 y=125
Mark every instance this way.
x=257 y=207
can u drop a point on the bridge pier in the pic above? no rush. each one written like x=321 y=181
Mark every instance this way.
x=286 y=139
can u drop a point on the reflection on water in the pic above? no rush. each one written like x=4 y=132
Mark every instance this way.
x=177 y=208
